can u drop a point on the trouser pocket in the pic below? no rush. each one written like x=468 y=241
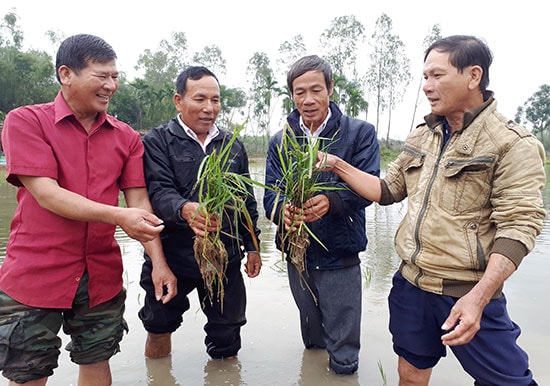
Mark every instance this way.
x=6 y=331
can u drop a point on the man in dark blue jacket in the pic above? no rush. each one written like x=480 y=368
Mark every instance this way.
x=173 y=154
x=330 y=299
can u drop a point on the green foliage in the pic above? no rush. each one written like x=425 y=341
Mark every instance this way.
x=389 y=73
x=256 y=148
x=262 y=93
x=535 y=113
x=387 y=154
x=212 y=58
x=340 y=42
x=142 y=105
x=10 y=33
x=163 y=65
x=221 y=190
x=145 y=101
x=349 y=95
x=26 y=78
x=233 y=100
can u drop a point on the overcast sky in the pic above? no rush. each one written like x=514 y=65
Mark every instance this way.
x=516 y=32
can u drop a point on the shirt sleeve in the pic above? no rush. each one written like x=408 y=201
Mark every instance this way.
x=26 y=147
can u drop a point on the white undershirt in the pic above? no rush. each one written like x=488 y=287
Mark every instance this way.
x=212 y=133
x=312 y=137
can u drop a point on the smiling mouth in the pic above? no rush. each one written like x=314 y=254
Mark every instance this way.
x=106 y=98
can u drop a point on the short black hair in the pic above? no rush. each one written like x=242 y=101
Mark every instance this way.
x=465 y=51
x=77 y=51
x=309 y=63
x=193 y=73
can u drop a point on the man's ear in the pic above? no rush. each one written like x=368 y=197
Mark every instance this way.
x=65 y=74
x=476 y=72
x=331 y=90
x=177 y=101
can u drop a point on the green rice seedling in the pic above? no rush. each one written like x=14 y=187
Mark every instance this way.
x=299 y=182
x=220 y=192
x=382 y=373
x=367 y=273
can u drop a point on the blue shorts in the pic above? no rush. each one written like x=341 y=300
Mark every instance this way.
x=492 y=357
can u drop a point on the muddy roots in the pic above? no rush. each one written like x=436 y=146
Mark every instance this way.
x=211 y=257
x=299 y=242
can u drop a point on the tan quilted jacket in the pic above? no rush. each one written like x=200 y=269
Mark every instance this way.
x=479 y=194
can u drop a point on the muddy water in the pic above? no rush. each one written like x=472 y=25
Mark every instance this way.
x=272 y=352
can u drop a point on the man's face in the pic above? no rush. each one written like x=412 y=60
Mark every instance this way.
x=200 y=105
x=448 y=90
x=90 y=91
x=311 y=97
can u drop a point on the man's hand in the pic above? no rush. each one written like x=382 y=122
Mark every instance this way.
x=139 y=224
x=199 y=222
x=465 y=317
x=165 y=282
x=314 y=208
x=463 y=321
x=253 y=264
x=326 y=161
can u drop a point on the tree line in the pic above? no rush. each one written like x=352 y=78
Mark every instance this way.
x=27 y=77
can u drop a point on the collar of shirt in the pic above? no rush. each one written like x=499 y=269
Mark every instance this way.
x=317 y=132
x=212 y=133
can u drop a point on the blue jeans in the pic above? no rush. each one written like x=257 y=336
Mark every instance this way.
x=329 y=302
x=492 y=357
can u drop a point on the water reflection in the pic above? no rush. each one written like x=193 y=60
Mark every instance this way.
x=315 y=370
x=159 y=372
x=223 y=372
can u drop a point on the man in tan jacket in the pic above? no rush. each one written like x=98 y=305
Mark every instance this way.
x=474 y=181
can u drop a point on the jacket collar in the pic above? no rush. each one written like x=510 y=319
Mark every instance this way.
x=473 y=122
x=333 y=123
x=178 y=131
x=434 y=121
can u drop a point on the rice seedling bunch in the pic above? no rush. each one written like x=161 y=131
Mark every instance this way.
x=222 y=195
x=299 y=182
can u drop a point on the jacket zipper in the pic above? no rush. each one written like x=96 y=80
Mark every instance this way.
x=487 y=160
x=423 y=212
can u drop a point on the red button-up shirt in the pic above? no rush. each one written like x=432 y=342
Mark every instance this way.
x=47 y=254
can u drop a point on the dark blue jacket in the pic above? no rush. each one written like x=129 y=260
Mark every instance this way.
x=172 y=161
x=342 y=230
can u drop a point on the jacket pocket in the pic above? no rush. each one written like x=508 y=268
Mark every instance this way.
x=413 y=162
x=466 y=185
x=185 y=169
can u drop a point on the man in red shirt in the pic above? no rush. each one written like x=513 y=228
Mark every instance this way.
x=63 y=266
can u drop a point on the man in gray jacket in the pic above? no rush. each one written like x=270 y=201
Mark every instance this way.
x=474 y=181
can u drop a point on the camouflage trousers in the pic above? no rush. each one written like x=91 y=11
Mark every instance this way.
x=29 y=341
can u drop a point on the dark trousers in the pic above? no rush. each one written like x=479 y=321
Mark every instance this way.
x=223 y=326
x=492 y=357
